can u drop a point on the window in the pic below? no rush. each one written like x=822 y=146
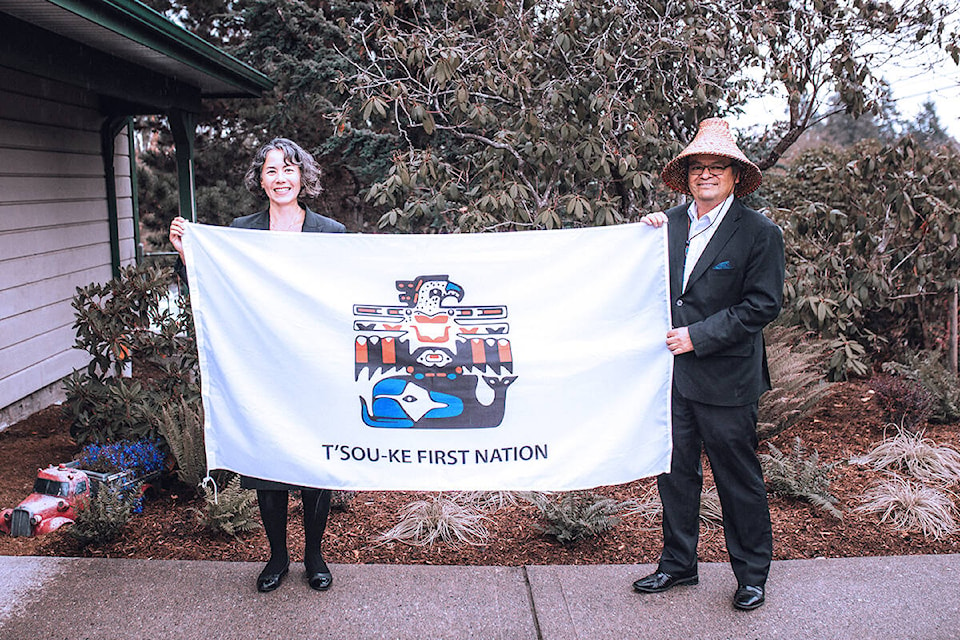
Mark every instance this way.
x=51 y=487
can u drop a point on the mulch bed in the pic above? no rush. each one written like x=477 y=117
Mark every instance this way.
x=845 y=424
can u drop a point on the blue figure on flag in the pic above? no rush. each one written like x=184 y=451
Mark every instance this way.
x=432 y=363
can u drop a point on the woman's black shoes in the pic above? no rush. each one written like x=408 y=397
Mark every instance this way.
x=268 y=580
x=318 y=575
x=320 y=580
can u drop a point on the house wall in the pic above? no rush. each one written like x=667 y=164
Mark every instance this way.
x=54 y=233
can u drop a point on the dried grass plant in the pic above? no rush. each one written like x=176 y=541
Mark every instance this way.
x=490 y=501
x=711 y=514
x=439 y=518
x=915 y=454
x=911 y=506
x=649 y=508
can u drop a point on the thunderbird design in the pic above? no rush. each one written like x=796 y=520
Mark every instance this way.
x=431 y=362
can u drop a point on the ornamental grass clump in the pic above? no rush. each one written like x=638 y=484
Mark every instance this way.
x=911 y=506
x=711 y=514
x=490 y=501
x=439 y=518
x=577 y=514
x=798 y=475
x=649 y=508
x=918 y=456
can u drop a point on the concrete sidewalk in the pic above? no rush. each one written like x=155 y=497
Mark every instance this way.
x=862 y=598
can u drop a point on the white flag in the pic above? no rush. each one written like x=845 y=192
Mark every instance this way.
x=532 y=360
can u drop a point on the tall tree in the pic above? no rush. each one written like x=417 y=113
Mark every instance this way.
x=297 y=44
x=550 y=113
x=479 y=114
x=839 y=128
x=927 y=130
x=871 y=257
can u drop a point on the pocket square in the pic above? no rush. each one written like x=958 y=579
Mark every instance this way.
x=722 y=266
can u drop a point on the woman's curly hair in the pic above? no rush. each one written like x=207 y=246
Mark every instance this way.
x=292 y=154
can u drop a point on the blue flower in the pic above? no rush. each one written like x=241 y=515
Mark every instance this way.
x=142 y=456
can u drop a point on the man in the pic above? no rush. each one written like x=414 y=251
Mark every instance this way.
x=726 y=284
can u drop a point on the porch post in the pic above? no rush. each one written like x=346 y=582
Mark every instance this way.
x=109 y=130
x=183 y=125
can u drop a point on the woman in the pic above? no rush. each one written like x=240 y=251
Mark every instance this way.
x=283 y=170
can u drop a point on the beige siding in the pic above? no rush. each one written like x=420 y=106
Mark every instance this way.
x=54 y=230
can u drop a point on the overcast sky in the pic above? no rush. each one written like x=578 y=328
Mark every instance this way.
x=912 y=83
x=940 y=85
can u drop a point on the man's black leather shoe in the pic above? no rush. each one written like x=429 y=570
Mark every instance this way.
x=320 y=580
x=270 y=581
x=748 y=597
x=659 y=581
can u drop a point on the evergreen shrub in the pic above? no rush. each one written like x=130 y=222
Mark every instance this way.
x=102 y=520
x=798 y=475
x=124 y=326
x=905 y=402
x=231 y=509
x=797 y=360
x=926 y=369
x=577 y=514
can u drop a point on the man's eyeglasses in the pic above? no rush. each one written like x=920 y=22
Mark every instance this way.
x=712 y=169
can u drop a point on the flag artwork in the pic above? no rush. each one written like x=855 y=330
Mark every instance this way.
x=532 y=360
x=428 y=355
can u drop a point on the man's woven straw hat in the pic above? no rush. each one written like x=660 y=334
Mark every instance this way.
x=714 y=138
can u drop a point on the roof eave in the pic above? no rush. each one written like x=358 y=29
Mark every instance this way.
x=151 y=29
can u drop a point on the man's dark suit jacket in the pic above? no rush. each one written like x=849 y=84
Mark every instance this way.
x=735 y=289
